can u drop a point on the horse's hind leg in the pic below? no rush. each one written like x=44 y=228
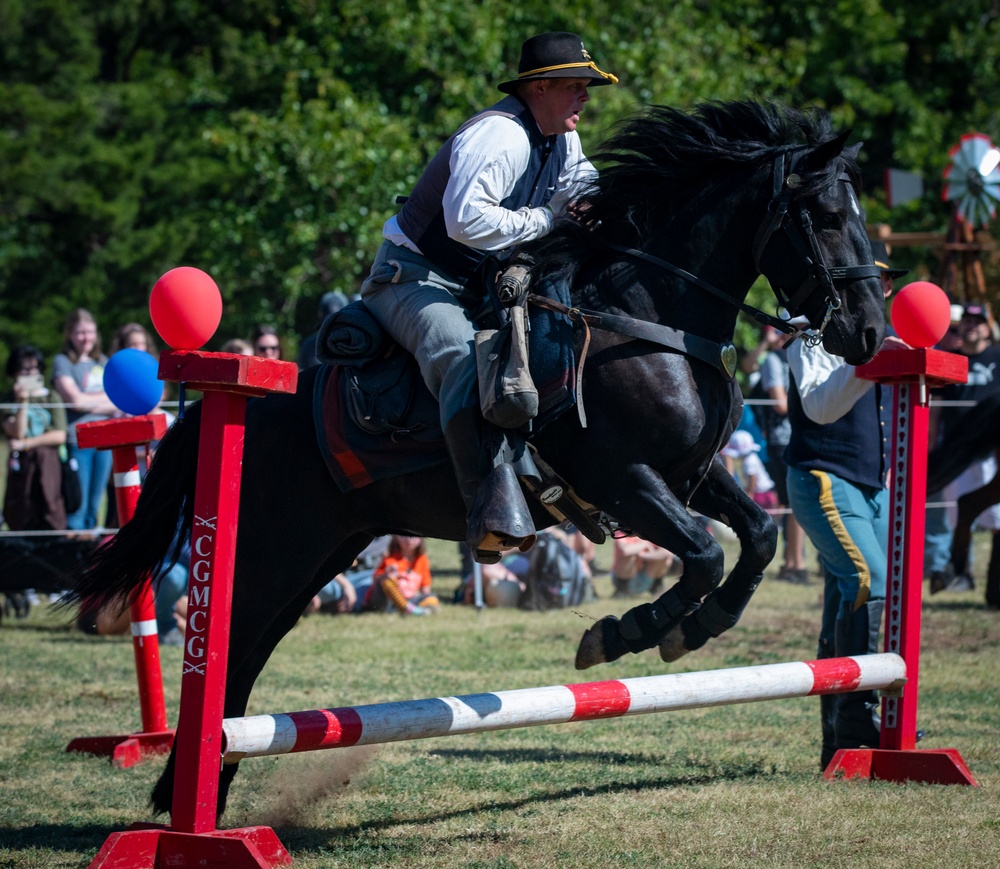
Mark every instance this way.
x=721 y=497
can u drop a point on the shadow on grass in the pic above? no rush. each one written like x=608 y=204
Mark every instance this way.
x=57 y=837
x=548 y=755
x=956 y=606
x=88 y=838
x=346 y=838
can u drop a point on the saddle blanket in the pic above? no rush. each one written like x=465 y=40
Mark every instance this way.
x=357 y=457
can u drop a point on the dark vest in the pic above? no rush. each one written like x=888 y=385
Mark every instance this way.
x=853 y=448
x=422 y=216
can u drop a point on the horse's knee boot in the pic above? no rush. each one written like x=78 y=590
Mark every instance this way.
x=720 y=611
x=645 y=626
x=640 y=628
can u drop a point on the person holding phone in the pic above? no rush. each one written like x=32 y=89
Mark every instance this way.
x=33 y=497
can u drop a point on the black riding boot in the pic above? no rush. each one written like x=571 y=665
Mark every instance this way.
x=498 y=516
x=857 y=720
x=827 y=712
x=993 y=575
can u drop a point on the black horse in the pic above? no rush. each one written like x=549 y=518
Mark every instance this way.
x=726 y=192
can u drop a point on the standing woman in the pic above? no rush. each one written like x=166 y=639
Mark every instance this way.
x=33 y=500
x=78 y=376
x=134 y=336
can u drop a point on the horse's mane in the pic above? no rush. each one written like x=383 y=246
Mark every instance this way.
x=657 y=161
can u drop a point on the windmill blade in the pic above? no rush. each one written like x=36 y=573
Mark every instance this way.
x=973 y=179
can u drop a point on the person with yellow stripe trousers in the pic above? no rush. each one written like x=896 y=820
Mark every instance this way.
x=837 y=474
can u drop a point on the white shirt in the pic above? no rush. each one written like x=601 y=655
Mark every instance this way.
x=826 y=384
x=487 y=159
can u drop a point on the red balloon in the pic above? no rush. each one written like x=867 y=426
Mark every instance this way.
x=186 y=307
x=921 y=314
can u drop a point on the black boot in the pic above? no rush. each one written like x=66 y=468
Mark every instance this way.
x=498 y=516
x=827 y=713
x=857 y=720
x=993 y=575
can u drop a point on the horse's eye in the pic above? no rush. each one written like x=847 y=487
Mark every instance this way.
x=831 y=220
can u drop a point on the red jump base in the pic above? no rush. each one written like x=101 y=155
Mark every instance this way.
x=125 y=750
x=929 y=766
x=148 y=846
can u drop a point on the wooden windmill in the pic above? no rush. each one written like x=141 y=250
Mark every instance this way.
x=972 y=186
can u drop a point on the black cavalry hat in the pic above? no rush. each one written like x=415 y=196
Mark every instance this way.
x=556 y=55
x=881 y=255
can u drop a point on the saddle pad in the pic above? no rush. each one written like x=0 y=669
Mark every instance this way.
x=354 y=457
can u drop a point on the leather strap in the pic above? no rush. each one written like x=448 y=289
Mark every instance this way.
x=760 y=316
x=721 y=356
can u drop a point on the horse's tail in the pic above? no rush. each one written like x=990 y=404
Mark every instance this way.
x=162 y=521
x=975 y=437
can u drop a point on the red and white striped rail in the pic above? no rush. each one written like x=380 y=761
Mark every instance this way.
x=284 y=733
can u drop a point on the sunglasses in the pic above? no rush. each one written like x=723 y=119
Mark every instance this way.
x=268 y=348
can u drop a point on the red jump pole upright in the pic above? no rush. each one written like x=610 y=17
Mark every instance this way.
x=122 y=437
x=191 y=839
x=912 y=372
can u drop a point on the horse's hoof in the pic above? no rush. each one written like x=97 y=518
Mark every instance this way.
x=672 y=648
x=591 y=650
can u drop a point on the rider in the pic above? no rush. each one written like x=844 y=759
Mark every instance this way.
x=498 y=181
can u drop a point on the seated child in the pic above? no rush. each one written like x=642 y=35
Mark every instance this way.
x=403 y=578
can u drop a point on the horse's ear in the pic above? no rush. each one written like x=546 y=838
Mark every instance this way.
x=826 y=152
x=852 y=152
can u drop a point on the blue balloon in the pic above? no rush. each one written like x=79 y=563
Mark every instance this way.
x=130 y=381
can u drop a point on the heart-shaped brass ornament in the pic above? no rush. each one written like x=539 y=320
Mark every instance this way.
x=727 y=356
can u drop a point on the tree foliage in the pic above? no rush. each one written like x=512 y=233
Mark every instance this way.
x=265 y=141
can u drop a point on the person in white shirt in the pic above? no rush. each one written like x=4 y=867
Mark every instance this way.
x=498 y=181
x=838 y=464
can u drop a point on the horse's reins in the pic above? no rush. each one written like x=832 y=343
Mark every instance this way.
x=760 y=316
x=723 y=355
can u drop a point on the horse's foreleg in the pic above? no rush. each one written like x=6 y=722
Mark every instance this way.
x=721 y=497
x=657 y=516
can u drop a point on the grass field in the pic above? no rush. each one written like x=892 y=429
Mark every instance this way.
x=721 y=787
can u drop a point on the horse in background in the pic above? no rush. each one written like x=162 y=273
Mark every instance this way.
x=689 y=209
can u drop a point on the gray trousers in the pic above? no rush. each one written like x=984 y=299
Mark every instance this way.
x=417 y=306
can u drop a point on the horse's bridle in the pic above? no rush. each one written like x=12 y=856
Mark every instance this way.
x=803 y=239
x=723 y=355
